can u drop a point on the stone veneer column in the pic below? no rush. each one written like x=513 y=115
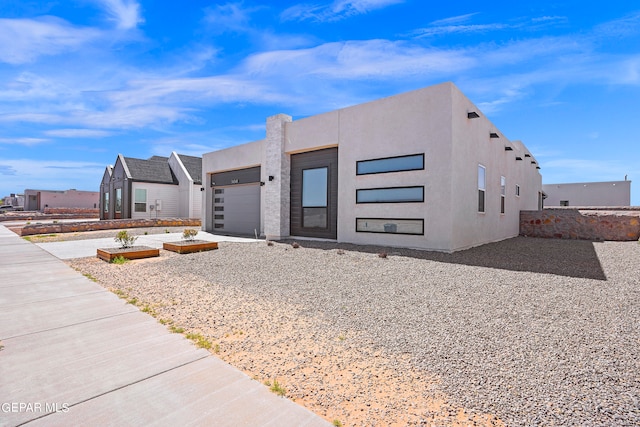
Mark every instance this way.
x=278 y=165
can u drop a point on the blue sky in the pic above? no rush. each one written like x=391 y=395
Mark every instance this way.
x=84 y=80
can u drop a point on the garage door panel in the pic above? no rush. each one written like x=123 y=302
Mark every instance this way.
x=237 y=210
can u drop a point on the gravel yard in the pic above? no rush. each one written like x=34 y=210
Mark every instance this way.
x=521 y=332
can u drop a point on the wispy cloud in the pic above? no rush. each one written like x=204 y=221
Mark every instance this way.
x=25 y=40
x=339 y=9
x=25 y=173
x=125 y=13
x=78 y=133
x=7 y=170
x=454 y=19
x=626 y=26
x=228 y=17
x=28 y=142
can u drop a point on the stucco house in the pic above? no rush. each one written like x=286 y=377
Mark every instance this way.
x=424 y=169
x=608 y=193
x=39 y=200
x=157 y=187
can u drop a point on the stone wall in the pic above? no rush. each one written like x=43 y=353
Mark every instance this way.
x=585 y=223
x=113 y=224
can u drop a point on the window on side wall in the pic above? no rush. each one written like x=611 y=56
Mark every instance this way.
x=517 y=190
x=503 y=192
x=140 y=203
x=105 y=202
x=564 y=203
x=482 y=172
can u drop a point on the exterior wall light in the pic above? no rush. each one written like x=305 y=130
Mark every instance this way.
x=494 y=135
x=472 y=115
x=518 y=158
x=507 y=148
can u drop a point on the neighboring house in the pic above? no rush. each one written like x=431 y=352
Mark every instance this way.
x=39 y=200
x=424 y=169
x=612 y=193
x=15 y=200
x=158 y=187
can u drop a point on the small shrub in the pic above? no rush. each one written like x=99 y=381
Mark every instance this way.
x=119 y=260
x=382 y=254
x=189 y=234
x=176 y=329
x=119 y=292
x=269 y=243
x=132 y=301
x=199 y=340
x=147 y=309
x=216 y=348
x=277 y=388
x=337 y=423
x=125 y=240
x=295 y=245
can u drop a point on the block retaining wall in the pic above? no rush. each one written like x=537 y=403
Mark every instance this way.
x=113 y=224
x=584 y=223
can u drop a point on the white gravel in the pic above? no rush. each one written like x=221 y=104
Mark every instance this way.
x=531 y=331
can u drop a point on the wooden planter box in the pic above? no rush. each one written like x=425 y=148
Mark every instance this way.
x=135 y=252
x=186 y=247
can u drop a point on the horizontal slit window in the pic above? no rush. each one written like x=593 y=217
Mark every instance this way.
x=390 y=195
x=390 y=164
x=218 y=191
x=219 y=208
x=390 y=225
x=218 y=217
x=218 y=226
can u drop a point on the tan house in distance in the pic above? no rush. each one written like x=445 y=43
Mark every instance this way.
x=424 y=169
x=611 y=193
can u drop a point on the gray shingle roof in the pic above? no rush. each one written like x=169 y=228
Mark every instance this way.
x=194 y=167
x=156 y=169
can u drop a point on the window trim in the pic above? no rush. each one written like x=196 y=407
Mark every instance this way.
x=358 y=162
x=325 y=207
x=482 y=189
x=390 y=219
x=503 y=194
x=136 y=204
x=390 y=188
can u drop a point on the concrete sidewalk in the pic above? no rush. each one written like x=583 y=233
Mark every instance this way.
x=87 y=248
x=75 y=354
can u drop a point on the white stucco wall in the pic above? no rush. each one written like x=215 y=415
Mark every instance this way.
x=185 y=187
x=611 y=193
x=473 y=146
x=167 y=193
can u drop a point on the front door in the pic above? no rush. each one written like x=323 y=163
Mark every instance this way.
x=314 y=194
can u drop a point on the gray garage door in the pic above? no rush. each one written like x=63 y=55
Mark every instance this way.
x=236 y=209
